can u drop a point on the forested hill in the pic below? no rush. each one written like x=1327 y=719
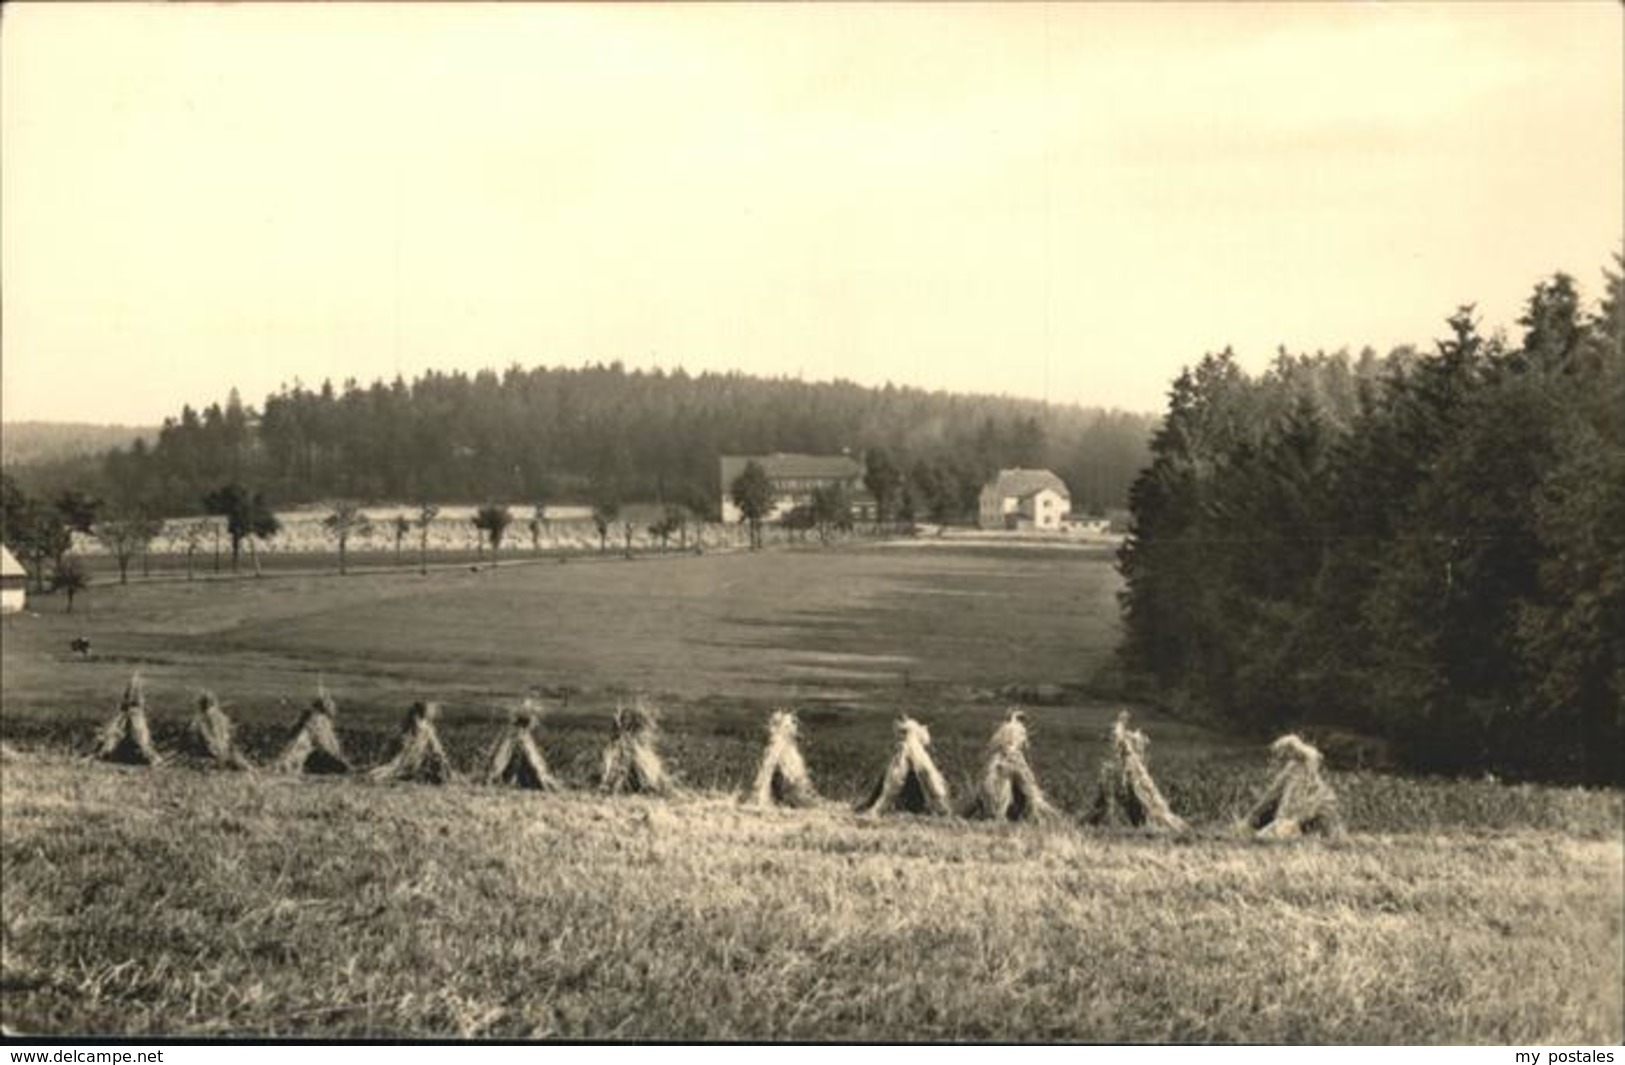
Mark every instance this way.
x=38 y=443
x=534 y=435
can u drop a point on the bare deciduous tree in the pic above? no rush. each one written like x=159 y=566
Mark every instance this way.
x=345 y=521
x=125 y=533
x=426 y=516
x=70 y=577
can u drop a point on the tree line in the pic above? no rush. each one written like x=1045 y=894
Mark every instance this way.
x=597 y=434
x=40 y=531
x=1427 y=547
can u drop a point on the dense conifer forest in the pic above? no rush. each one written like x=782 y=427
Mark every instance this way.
x=1428 y=547
x=527 y=436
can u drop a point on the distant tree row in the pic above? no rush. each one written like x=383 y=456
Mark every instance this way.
x=1428 y=548
x=40 y=531
x=602 y=434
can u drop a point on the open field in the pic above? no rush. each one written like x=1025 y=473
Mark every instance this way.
x=716 y=639
x=175 y=902
x=103 y=569
x=784 y=623
x=170 y=566
x=172 y=901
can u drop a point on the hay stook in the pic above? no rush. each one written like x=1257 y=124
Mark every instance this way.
x=912 y=783
x=314 y=747
x=422 y=758
x=1008 y=789
x=782 y=778
x=210 y=738
x=632 y=761
x=517 y=760
x=127 y=739
x=1126 y=793
x=1298 y=800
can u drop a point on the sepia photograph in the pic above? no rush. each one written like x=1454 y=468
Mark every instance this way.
x=783 y=523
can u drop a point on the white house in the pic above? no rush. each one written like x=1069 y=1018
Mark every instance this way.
x=13 y=583
x=1024 y=499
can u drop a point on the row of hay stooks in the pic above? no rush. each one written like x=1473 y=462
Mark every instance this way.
x=1297 y=801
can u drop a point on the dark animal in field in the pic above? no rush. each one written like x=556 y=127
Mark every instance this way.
x=1008 y=790
x=80 y=646
x=517 y=760
x=422 y=757
x=1298 y=800
x=912 y=783
x=1126 y=794
x=127 y=739
x=314 y=747
x=632 y=760
x=782 y=778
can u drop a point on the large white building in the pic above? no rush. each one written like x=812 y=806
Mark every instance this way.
x=794 y=479
x=13 y=583
x=1024 y=499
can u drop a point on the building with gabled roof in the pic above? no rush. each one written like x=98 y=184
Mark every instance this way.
x=795 y=478
x=1024 y=499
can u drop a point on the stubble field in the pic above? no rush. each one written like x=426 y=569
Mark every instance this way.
x=172 y=901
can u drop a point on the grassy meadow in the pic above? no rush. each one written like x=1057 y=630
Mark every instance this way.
x=171 y=901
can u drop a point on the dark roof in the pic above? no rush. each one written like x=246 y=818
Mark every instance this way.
x=1023 y=483
x=781 y=466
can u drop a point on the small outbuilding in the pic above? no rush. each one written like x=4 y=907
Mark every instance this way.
x=13 y=583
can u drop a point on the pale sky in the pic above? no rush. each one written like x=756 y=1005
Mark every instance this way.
x=1066 y=202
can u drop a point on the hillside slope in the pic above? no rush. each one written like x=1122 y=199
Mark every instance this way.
x=33 y=443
